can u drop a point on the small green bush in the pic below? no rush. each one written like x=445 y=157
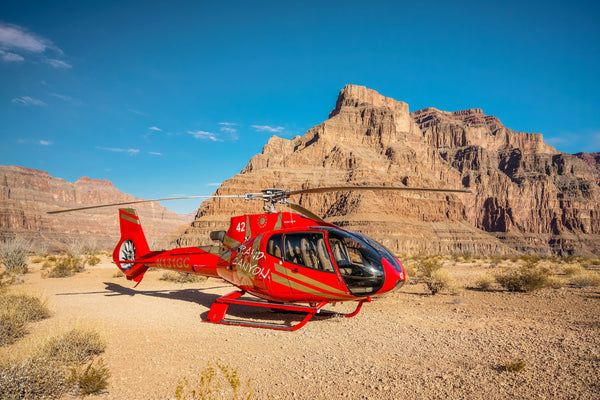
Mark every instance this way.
x=527 y=278
x=484 y=281
x=212 y=386
x=439 y=280
x=92 y=379
x=93 y=260
x=514 y=365
x=64 y=266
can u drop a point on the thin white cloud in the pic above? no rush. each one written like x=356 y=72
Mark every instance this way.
x=131 y=110
x=27 y=101
x=154 y=153
x=205 y=135
x=213 y=184
x=57 y=63
x=17 y=43
x=17 y=38
x=267 y=128
x=66 y=99
x=45 y=143
x=11 y=57
x=131 y=152
x=154 y=128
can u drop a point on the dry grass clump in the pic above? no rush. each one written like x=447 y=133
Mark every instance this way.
x=585 y=279
x=45 y=374
x=32 y=378
x=16 y=310
x=573 y=269
x=13 y=253
x=75 y=346
x=181 y=277
x=226 y=385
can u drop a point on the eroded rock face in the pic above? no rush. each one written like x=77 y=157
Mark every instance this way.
x=27 y=194
x=529 y=197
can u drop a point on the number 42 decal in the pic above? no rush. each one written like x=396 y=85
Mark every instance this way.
x=241 y=227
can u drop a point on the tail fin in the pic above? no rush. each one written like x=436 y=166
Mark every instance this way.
x=132 y=246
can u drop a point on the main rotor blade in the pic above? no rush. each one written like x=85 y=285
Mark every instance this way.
x=304 y=211
x=388 y=188
x=145 y=201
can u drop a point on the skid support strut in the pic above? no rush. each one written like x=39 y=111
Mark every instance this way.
x=219 y=309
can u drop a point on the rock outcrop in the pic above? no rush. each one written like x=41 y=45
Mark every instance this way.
x=529 y=197
x=27 y=194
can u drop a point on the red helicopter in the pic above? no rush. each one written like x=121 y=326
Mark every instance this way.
x=282 y=257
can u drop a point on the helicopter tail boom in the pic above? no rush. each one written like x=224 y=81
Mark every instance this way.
x=132 y=246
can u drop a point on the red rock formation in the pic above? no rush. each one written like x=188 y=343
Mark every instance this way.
x=27 y=194
x=530 y=197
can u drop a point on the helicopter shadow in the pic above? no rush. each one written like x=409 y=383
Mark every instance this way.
x=241 y=312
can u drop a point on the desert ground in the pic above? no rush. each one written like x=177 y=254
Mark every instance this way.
x=409 y=344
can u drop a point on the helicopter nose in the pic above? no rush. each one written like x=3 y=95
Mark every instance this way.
x=394 y=275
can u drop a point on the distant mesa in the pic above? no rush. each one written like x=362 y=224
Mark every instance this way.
x=27 y=194
x=529 y=196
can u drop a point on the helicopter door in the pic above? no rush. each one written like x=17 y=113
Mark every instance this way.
x=274 y=260
x=309 y=266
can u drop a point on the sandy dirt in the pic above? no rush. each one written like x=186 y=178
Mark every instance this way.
x=406 y=345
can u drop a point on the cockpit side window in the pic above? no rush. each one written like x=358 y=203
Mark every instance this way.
x=307 y=249
x=274 y=246
x=359 y=262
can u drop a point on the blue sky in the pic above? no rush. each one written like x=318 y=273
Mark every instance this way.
x=172 y=98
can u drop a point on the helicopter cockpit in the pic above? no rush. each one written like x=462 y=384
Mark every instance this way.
x=358 y=259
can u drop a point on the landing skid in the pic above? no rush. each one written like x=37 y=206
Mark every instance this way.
x=218 y=310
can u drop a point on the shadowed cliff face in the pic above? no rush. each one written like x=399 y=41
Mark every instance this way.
x=27 y=194
x=530 y=197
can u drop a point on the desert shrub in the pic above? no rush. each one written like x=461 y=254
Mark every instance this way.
x=429 y=271
x=527 y=278
x=411 y=272
x=32 y=378
x=118 y=274
x=37 y=259
x=181 y=277
x=93 y=260
x=484 y=281
x=16 y=310
x=585 y=279
x=65 y=265
x=514 y=365
x=14 y=255
x=439 y=280
x=572 y=269
x=92 y=379
x=75 y=346
x=212 y=386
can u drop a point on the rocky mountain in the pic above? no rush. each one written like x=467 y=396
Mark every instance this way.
x=27 y=194
x=529 y=197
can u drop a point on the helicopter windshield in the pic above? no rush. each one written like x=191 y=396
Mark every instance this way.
x=358 y=261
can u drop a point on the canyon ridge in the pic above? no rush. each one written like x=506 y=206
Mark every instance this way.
x=26 y=195
x=529 y=197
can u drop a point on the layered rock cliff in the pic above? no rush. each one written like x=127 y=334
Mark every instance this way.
x=27 y=194
x=529 y=197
